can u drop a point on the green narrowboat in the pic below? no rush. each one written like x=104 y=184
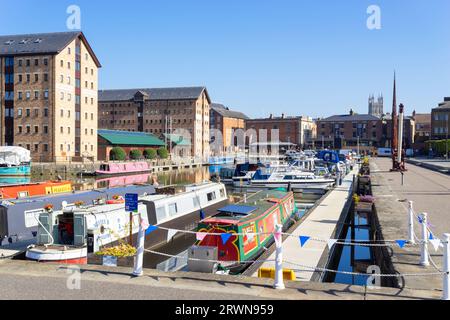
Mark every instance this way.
x=254 y=221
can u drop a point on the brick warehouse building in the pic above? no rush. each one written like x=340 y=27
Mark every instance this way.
x=440 y=121
x=345 y=131
x=48 y=95
x=159 y=111
x=292 y=130
x=227 y=122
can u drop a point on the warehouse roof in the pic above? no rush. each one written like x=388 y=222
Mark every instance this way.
x=226 y=112
x=41 y=43
x=351 y=117
x=181 y=93
x=130 y=138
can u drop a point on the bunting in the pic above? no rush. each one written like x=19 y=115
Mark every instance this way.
x=304 y=240
x=151 y=229
x=225 y=237
x=401 y=243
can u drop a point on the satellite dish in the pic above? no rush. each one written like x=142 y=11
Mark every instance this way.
x=64 y=204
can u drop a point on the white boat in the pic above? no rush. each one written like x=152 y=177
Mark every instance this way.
x=69 y=235
x=296 y=179
x=15 y=161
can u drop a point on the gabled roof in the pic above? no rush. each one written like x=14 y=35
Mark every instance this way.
x=41 y=43
x=130 y=138
x=181 y=93
x=226 y=112
x=348 y=117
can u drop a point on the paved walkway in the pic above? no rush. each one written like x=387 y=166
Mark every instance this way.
x=321 y=223
x=439 y=165
x=22 y=280
x=430 y=192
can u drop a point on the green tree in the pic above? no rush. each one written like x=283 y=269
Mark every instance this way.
x=150 y=154
x=117 y=153
x=135 y=154
x=163 y=153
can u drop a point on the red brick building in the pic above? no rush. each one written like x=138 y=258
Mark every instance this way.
x=346 y=131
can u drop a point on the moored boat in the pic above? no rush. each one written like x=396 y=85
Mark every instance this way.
x=27 y=190
x=15 y=161
x=109 y=169
x=254 y=223
x=18 y=218
x=76 y=232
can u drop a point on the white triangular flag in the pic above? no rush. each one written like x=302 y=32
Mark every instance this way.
x=436 y=243
x=170 y=234
x=331 y=243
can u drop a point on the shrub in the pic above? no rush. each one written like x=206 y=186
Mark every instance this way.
x=135 y=154
x=163 y=153
x=150 y=154
x=117 y=153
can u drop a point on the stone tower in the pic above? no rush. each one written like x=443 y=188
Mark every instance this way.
x=376 y=108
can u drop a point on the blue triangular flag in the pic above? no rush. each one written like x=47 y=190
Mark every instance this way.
x=401 y=243
x=225 y=237
x=420 y=219
x=150 y=230
x=431 y=236
x=304 y=240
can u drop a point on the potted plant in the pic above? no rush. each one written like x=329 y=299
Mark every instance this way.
x=48 y=207
x=78 y=204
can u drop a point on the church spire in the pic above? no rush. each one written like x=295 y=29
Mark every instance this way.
x=394 y=123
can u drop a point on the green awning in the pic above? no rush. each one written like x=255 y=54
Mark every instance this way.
x=115 y=137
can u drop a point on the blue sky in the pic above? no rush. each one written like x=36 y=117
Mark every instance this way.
x=310 y=57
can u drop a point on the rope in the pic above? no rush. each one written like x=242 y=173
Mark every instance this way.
x=213 y=261
x=366 y=274
x=305 y=267
x=361 y=243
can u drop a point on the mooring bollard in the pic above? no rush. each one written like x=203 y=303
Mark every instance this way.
x=279 y=279
x=139 y=260
x=446 y=265
x=411 y=223
x=424 y=260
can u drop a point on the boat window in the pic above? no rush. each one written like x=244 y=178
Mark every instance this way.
x=211 y=196
x=160 y=213
x=173 y=209
x=196 y=202
x=288 y=178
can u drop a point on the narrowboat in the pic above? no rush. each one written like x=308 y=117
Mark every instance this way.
x=254 y=221
x=73 y=234
x=109 y=169
x=15 y=161
x=27 y=190
x=19 y=218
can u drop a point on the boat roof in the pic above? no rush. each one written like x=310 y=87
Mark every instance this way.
x=34 y=203
x=256 y=205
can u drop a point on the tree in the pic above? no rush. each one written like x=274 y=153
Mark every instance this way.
x=163 y=153
x=117 y=153
x=150 y=154
x=135 y=154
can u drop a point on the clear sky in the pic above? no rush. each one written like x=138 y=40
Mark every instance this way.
x=310 y=57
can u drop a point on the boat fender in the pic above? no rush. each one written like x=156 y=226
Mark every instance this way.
x=202 y=215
